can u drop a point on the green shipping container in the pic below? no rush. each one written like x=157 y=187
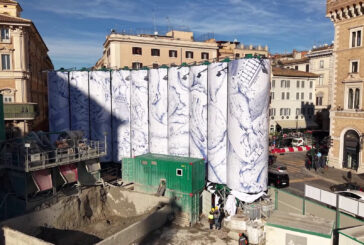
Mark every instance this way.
x=184 y=178
x=182 y=174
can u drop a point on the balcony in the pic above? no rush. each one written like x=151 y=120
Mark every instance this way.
x=20 y=111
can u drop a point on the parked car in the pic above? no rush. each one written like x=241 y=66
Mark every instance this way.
x=346 y=186
x=298 y=142
x=278 y=167
x=357 y=195
x=277 y=178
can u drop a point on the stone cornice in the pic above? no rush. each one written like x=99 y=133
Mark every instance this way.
x=343 y=10
x=157 y=41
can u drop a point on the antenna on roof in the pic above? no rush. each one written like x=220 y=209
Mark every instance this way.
x=169 y=24
x=155 y=28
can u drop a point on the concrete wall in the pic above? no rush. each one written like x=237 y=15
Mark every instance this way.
x=344 y=240
x=140 y=229
x=13 y=237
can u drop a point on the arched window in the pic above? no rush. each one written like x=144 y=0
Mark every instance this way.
x=351 y=150
x=357 y=98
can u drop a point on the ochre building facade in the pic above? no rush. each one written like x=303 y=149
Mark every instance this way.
x=23 y=84
x=347 y=111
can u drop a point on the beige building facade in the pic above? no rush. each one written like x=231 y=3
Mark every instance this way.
x=137 y=51
x=174 y=48
x=23 y=57
x=291 y=99
x=347 y=114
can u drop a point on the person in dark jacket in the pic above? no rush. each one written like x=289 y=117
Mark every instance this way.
x=216 y=217
x=221 y=217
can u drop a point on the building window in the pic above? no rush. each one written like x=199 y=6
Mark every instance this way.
x=137 y=65
x=237 y=56
x=155 y=66
x=189 y=55
x=272 y=95
x=108 y=53
x=353 y=98
x=321 y=64
x=283 y=95
x=311 y=84
x=310 y=96
x=307 y=68
x=302 y=96
x=288 y=83
x=354 y=66
x=321 y=80
x=298 y=110
x=287 y=96
x=137 y=50
x=273 y=83
x=355 y=37
x=302 y=84
x=155 y=52
x=296 y=67
x=5 y=61
x=283 y=83
x=272 y=112
x=297 y=96
x=319 y=100
x=173 y=53
x=179 y=172
x=204 y=56
x=298 y=84
x=8 y=99
x=5 y=34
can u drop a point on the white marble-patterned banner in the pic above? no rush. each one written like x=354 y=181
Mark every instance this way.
x=198 y=112
x=217 y=122
x=100 y=109
x=79 y=100
x=248 y=101
x=158 y=111
x=139 y=112
x=178 y=111
x=120 y=91
x=58 y=102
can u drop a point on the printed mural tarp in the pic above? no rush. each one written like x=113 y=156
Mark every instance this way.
x=218 y=112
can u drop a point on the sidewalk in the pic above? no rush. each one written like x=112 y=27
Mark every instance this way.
x=336 y=176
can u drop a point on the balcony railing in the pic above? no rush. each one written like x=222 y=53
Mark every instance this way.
x=20 y=111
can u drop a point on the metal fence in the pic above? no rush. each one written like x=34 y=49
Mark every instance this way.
x=346 y=204
x=291 y=203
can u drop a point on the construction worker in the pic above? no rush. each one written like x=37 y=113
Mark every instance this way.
x=216 y=217
x=211 y=218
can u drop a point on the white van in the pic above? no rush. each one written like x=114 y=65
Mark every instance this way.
x=298 y=142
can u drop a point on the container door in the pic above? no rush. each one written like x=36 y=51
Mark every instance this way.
x=127 y=169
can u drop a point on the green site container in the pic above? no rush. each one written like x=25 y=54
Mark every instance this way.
x=182 y=174
x=184 y=178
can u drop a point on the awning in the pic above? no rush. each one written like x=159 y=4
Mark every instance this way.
x=292 y=123
x=297 y=124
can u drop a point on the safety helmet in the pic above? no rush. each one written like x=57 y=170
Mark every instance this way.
x=212 y=209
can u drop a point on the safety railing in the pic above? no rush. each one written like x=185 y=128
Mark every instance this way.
x=28 y=161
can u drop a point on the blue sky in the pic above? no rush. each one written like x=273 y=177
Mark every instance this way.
x=74 y=30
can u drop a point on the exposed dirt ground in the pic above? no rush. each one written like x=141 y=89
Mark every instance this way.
x=199 y=234
x=88 y=218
